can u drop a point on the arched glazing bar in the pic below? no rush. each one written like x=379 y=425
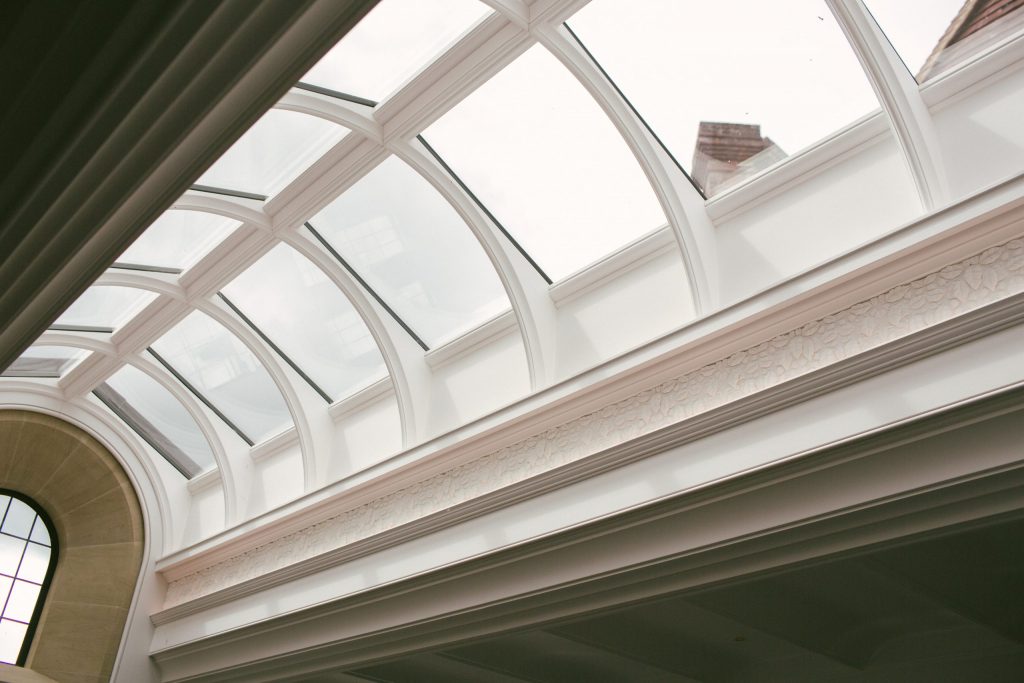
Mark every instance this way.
x=541 y=156
x=28 y=558
x=227 y=451
x=527 y=291
x=294 y=304
x=524 y=289
x=389 y=340
x=228 y=374
x=901 y=98
x=798 y=81
x=681 y=202
x=413 y=249
x=154 y=405
x=250 y=213
x=297 y=409
x=402 y=356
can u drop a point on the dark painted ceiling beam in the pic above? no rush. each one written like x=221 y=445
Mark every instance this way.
x=112 y=110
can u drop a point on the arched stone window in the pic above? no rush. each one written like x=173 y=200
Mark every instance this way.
x=97 y=521
x=28 y=555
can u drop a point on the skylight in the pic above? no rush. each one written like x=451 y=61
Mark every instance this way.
x=104 y=308
x=159 y=418
x=411 y=246
x=177 y=239
x=540 y=154
x=783 y=67
x=310 y=320
x=391 y=43
x=278 y=147
x=45 y=361
x=225 y=373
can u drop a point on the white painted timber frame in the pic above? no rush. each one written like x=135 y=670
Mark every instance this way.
x=942 y=282
x=580 y=433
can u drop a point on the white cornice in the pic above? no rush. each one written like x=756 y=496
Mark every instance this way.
x=748 y=523
x=872 y=326
x=923 y=246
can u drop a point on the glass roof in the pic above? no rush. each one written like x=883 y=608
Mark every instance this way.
x=391 y=43
x=177 y=239
x=415 y=251
x=278 y=147
x=541 y=155
x=224 y=372
x=684 y=63
x=309 y=319
x=104 y=306
x=933 y=35
x=730 y=88
x=45 y=361
x=161 y=420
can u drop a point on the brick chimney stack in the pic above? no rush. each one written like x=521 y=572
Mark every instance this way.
x=725 y=153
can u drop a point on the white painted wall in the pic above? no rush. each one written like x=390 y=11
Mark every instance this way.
x=857 y=198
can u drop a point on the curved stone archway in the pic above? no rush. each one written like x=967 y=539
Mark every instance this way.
x=96 y=513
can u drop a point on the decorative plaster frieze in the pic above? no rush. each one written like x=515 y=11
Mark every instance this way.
x=956 y=289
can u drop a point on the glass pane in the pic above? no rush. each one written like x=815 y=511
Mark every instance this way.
x=40 y=534
x=272 y=153
x=103 y=306
x=933 y=35
x=416 y=252
x=731 y=87
x=537 y=150
x=35 y=562
x=5 y=588
x=309 y=318
x=21 y=601
x=177 y=239
x=163 y=413
x=215 y=362
x=11 y=549
x=19 y=519
x=391 y=43
x=45 y=361
x=12 y=634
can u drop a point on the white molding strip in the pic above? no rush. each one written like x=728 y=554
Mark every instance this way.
x=939 y=298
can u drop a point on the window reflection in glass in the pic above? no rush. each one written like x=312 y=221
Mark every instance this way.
x=305 y=314
x=227 y=373
x=416 y=252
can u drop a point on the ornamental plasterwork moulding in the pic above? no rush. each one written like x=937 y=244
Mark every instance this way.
x=994 y=274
